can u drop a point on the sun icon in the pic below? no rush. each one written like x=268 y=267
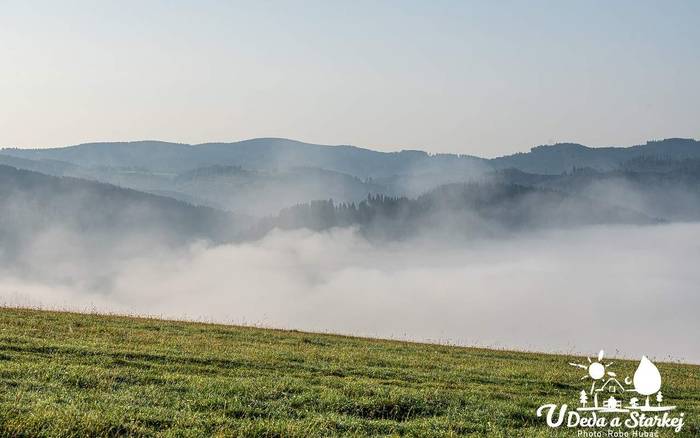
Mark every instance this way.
x=596 y=370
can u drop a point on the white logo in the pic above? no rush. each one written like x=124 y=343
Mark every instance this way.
x=614 y=404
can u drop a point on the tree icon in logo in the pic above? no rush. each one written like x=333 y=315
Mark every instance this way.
x=583 y=398
x=647 y=379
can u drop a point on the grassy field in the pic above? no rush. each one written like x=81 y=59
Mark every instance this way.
x=65 y=374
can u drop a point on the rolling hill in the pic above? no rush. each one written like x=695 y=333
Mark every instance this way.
x=277 y=153
x=455 y=211
x=259 y=177
x=256 y=154
x=668 y=189
x=66 y=374
x=33 y=203
x=563 y=157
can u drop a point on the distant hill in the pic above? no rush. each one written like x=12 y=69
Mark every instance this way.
x=254 y=192
x=47 y=166
x=274 y=173
x=263 y=193
x=256 y=154
x=259 y=177
x=277 y=154
x=233 y=188
x=457 y=210
x=563 y=157
x=656 y=187
x=33 y=203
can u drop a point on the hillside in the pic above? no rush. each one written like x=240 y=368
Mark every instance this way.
x=562 y=157
x=279 y=153
x=456 y=211
x=64 y=374
x=665 y=189
x=259 y=177
x=33 y=203
x=257 y=154
x=256 y=192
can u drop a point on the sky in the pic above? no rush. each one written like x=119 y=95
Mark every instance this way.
x=482 y=78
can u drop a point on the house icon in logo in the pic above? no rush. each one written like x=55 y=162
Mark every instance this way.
x=646 y=382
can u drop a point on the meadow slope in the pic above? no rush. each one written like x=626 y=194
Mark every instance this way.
x=67 y=374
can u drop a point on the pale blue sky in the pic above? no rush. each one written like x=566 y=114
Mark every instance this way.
x=485 y=78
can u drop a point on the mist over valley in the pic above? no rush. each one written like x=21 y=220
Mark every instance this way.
x=408 y=245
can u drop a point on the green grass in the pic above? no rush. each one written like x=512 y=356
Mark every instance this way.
x=66 y=374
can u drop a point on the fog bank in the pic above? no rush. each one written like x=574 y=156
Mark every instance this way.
x=629 y=290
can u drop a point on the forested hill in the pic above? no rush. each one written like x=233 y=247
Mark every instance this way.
x=454 y=210
x=257 y=154
x=33 y=203
x=259 y=177
x=563 y=157
x=656 y=187
x=280 y=153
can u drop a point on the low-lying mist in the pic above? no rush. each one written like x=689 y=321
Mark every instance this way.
x=626 y=289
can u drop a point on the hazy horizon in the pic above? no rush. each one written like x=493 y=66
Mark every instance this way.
x=452 y=77
x=372 y=148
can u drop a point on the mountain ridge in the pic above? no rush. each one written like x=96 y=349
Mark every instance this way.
x=267 y=152
x=259 y=177
x=34 y=203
